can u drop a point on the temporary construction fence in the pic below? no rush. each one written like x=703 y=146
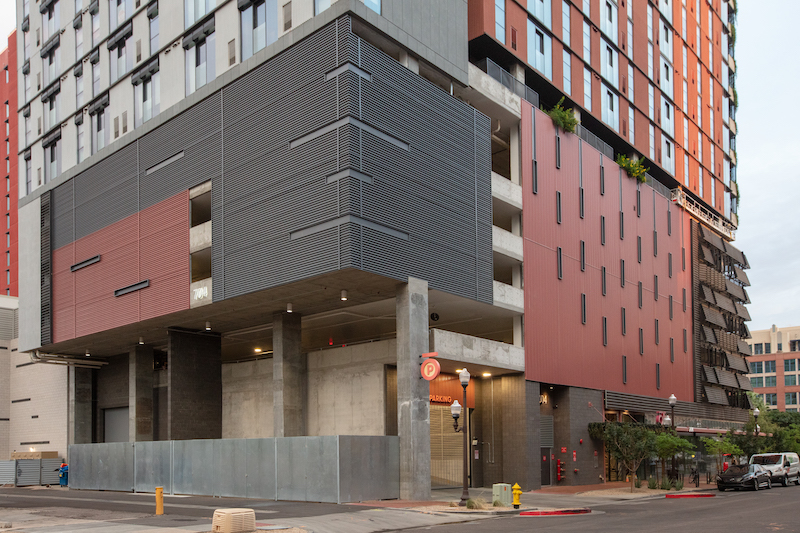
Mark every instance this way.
x=26 y=472
x=335 y=469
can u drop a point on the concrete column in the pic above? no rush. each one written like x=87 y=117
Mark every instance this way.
x=140 y=393
x=289 y=376
x=515 y=154
x=81 y=393
x=409 y=61
x=518 y=71
x=194 y=396
x=413 y=401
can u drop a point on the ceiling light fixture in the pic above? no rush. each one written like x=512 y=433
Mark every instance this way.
x=257 y=350
x=208 y=326
x=344 y=295
x=289 y=308
x=87 y=353
x=141 y=340
x=487 y=374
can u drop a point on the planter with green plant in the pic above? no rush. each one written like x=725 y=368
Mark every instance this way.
x=563 y=118
x=634 y=168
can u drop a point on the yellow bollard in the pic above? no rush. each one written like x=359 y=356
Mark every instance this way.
x=517 y=492
x=159 y=500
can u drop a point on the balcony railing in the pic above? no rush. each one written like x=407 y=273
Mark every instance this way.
x=714 y=221
x=659 y=187
x=594 y=141
x=508 y=81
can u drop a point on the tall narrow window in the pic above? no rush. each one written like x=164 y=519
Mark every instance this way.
x=154 y=33
x=95 y=29
x=194 y=10
x=583 y=256
x=658 y=375
x=624 y=323
x=685 y=342
x=622 y=272
x=200 y=63
x=603 y=280
x=670 y=307
x=587 y=43
x=641 y=295
x=118 y=12
x=581 y=202
x=52 y=160
x=81 y=142
x=639 y=248
x=656 y=326
x=655 y=287
x=605 y=331
x=669 y=264
x=624 y=365
x=587 y=89
x=602 y=230
x=100 y=130
x=583 y=308
x=567 y=67
x=259 y=26
x=565 y=24
x=500 y=20
x=540 y=54
x=559 y=265
x=148 y=98
x=79 y=43
x=558 y=207
x=684 y=300
x=641 y=341
x=671 y=350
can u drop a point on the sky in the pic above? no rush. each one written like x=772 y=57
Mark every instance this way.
x=768 y=126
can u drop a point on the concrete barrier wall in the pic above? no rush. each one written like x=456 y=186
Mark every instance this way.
x=335 y=469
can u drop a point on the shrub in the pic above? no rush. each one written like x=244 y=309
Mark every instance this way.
x=666 y=483
x=637 y=483
x=497 y=503
x=563 y=118
x=634 y=169
x=652 y=483
x=679 y=484
x=476 y=503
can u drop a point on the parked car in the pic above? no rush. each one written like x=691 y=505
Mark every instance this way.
x=744 y=477
x=783 y=467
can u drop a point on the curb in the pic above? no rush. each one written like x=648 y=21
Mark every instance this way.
x=557 y=512
x=689 y=495
x=471 y=513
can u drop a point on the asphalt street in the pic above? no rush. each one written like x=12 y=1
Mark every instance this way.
x=777 y=509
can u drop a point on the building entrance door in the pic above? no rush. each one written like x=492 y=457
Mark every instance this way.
x=447 y=448
x=546 y=466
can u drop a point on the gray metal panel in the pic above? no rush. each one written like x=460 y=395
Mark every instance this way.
x=261 y=473
x=8 y=472
x=45 y=269
x=369 y=468
x=7 y=324
x=63 y=213
x=546 y=432
x=50 y=468
x=81 y=471
x=153 y=462
x=112 y=465
x=230 y=468
x=193 y=471
x=28 y=472
x=305 y=469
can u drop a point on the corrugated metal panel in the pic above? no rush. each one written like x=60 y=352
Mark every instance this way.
x=49 y=471
x=727 y=378
x=744 y=382
x=546 y=433
x=710 y=374
x=28 y=472
x=63 y=213
x=709 y=335
x=45 y=270
x=8 y=472
x=737 y=362
x=7 y=324
x=741 y=276
x=744 y=347
x=715 y=395
x=714 y=316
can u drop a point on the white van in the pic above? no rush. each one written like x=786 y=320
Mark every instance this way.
x=783 y=467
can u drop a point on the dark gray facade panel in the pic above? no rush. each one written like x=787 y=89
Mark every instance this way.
x=63 y=212
x=45 y=267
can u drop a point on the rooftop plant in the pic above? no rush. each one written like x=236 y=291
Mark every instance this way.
x=635 y=169
x=563 y=118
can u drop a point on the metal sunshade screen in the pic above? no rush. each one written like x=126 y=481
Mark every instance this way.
x=447 y=448
x=727 y=378
x=744 y=347
x=715 y=395
x=709 y=335
x=710 y=374
x=744 y=382
x=737 y=362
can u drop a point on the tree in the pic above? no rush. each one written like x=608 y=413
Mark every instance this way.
x=720 y=448
x=629 y=444
x=668 y=445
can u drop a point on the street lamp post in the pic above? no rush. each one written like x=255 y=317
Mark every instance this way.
x=756 y=412
x=672 y=401
x=455 y=411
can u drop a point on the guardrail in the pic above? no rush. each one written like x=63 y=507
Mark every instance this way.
x=508 y=81
x=594 y=141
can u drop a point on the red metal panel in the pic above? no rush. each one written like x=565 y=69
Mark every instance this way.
x=63 y=293
x=164 y=257
x=559 y=348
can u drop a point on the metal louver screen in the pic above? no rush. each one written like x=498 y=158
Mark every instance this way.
x=447 y=448
x=546 y=438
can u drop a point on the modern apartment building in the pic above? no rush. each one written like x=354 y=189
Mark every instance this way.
x=773 y=366
x=248 y=220
x=8 y=97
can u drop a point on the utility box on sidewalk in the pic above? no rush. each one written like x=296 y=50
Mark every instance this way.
x=502 y=492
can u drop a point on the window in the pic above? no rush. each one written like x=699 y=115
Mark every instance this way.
x=28 y=177
x=622 y=272
x=769 y=367
x=652 y=142
x=120 y=60
x=624 y=323
x=587 y=43
x=81 y=142
x=565 y=24
x=658 y=375
x=79 y=90
x=118 y=12
x=583 y=309
x=200 y=64
x=624 y=369
x=559 y=265
x=757 y=382
x=639 y=247
x=603 y=279
x=374 y=5
x=770 y=381
x=768 y=349
x=154 y=32
x=610 y=65
x=51 y=111
x=790 y=365
x=51 y=66
x=540 y=53
x=608 y=20
x=605 y=331
x=95 y=29
x=567 y=72
x=641 y=294
x=791 y=397
x=558 y=207
x=287 y=16
x=602 y=229
x=641 y=341
x=610 y=108
x=587 y=7
x=587 y=89
x=771 y=399
x=27 y=80
x=650 y=60
x=259 y=26
x=194 y=10
x=541 y=10
x=630 y=37
x=52 y=161
x=50 y=21
x=756 y=367
x=758 y=349
x=683 y=23
x=790 y=380
x=631 y=132
x=583 y=256
x=147 y=99
x=78 y=6
x=322 y=5
x=500 y=20
x=79 y=43
x=651 y=99
x=99 y=130
x=95 y=79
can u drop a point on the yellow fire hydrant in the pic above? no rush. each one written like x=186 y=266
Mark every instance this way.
x=516 y=490
x=159 y=500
